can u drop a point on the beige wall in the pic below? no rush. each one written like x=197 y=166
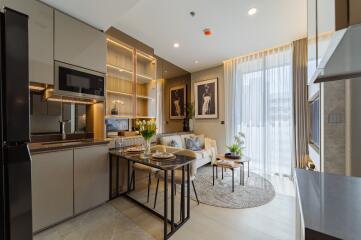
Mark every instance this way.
x=333 y=138
x=212 y=128
x=169 y=125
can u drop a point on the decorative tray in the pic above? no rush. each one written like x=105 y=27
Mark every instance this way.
x=228 y=155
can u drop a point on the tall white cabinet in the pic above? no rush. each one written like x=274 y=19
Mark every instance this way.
x=41 y=44
x=79 y=44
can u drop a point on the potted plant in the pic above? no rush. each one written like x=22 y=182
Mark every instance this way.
x=147 y=129
x=237 y=147
x=188 y=121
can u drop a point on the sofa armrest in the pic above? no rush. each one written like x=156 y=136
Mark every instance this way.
x=211 y=146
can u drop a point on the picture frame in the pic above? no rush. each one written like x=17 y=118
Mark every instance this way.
x=177 y=102
x=206 y=99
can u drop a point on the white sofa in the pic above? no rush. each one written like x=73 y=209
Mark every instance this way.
x=206 y=155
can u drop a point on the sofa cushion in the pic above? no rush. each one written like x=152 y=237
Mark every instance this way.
x=183 y=137
x=175 y=140
x=201 y=140
x=193 y=143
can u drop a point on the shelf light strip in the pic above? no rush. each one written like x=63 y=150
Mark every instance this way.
x=146 y=56
x=120 y=93
x=127 y=71
x=67 y=100
x=119 y=44
x=119 y=69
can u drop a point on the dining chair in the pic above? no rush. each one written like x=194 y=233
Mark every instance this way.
x=178 y=174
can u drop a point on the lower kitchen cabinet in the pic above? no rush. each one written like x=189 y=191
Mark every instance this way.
x=91 y=177
x=52 y=188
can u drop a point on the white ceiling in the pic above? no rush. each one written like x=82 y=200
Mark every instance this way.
x=160 y=23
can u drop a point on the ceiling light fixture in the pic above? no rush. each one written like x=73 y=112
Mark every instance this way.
x=176 y=45
x=196 y=61
x=252 y=11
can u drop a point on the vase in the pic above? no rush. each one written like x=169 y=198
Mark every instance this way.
x=147 y=150
x=191 y=125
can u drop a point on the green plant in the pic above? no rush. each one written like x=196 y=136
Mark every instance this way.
x=190 y=110
x=238 y=146
x=147 y=128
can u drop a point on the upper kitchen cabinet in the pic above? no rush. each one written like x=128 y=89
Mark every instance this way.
x=41 y=43
x=355 y=12
x=79 y=44
x=325 y=17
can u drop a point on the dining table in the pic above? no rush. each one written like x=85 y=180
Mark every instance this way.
x=168 y=166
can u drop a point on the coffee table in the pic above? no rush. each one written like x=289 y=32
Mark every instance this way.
x=232 y=164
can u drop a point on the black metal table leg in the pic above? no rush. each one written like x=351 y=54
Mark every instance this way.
x=172 y=201
x=240 y=176
x=232 y=179
x=222 y=173
x=128 y=177
x=110 y=176
x=183 y=195
x=117 y=177
x=165 y=203
x=216 y=171
x=188 y=191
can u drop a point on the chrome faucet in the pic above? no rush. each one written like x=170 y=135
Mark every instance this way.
x=62 y=129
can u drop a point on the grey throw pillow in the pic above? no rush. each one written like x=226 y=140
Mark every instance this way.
x=173 y=143
x=193 y=143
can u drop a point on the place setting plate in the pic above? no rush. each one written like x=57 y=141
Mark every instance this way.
x=163 y=156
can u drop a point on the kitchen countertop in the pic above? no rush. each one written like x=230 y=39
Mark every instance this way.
x=330 y=204
x=59 y=145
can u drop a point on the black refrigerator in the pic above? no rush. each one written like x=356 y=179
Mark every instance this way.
x=16 y=214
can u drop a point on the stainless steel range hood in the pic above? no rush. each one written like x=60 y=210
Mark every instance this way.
x=343 y=56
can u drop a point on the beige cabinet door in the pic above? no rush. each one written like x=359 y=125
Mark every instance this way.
x=79 y=44
x=52 y=188
x=41 y=43
x=91 y=177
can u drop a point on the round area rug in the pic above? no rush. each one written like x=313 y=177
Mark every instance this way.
x=257 y=190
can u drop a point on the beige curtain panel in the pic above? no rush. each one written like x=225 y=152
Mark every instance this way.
x=300 y=95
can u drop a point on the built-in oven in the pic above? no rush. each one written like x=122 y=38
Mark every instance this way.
x=78 y=82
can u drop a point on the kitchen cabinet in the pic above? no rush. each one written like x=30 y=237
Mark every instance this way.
x=91 y=177
x=79 y=44
x=355 y=12
x=41 y=43
x=52 y=188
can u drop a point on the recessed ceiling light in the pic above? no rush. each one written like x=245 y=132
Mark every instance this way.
x=176 y=45
x=252 y=11
x=196 y=61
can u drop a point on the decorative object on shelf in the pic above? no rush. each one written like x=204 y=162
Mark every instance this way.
x=237 y=147
x=206 y=99
x=188 y=121
x=177 y=102
x=114 y=110
x=147 y=129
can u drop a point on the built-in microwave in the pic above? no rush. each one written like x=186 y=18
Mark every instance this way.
x=78 y=82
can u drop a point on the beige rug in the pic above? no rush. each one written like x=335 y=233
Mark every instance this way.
x=257 y=190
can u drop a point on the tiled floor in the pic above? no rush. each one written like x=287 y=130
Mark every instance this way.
x=123 y=220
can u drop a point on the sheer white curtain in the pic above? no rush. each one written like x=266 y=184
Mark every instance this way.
x=259 y=104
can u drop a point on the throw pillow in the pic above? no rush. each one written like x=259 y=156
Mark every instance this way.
x=192 y=143
x=173 y=143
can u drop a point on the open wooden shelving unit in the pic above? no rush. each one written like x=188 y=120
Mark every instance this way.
x=131 y=82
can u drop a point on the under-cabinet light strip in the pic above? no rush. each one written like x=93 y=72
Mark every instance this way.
x=52 y=99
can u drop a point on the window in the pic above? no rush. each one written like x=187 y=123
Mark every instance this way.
x=315 y=122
